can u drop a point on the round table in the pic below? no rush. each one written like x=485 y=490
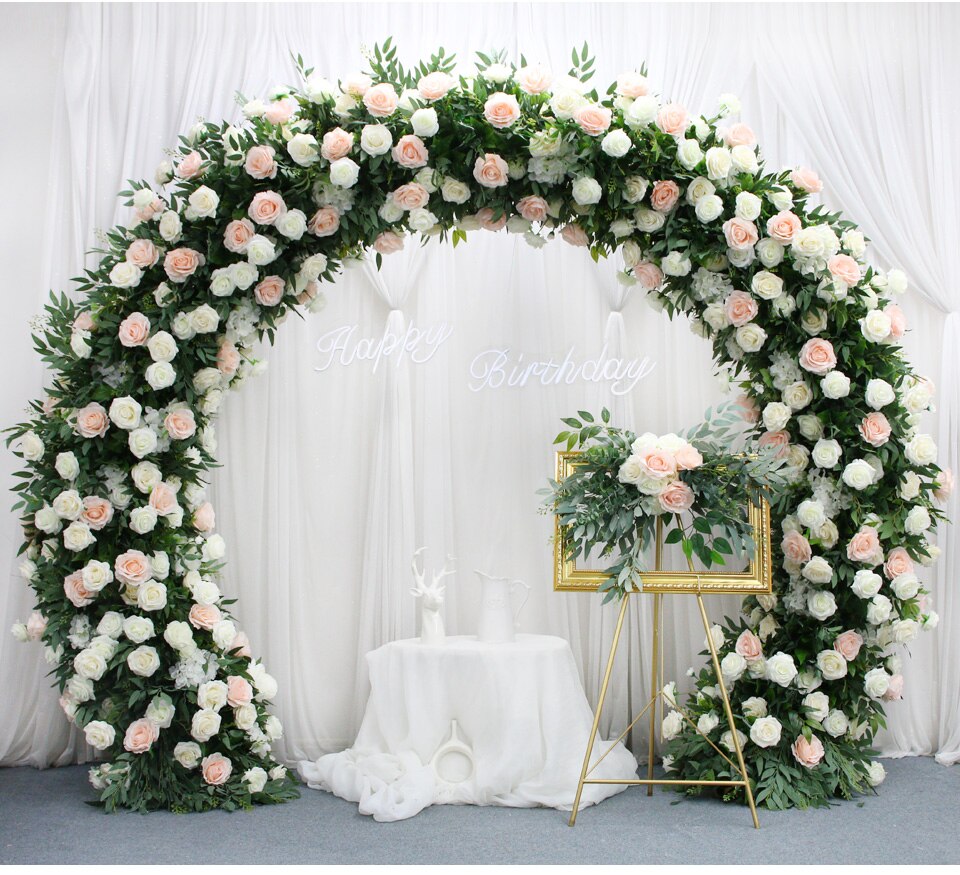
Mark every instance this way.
x=466 y=722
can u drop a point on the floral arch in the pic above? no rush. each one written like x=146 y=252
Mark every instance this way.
x=242 y=228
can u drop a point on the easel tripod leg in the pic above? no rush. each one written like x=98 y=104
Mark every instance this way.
x=596 y=716
x=654 y=687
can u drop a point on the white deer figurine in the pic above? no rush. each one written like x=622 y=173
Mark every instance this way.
x=431 y=596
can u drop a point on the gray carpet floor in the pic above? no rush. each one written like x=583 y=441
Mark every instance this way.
x=913 y=819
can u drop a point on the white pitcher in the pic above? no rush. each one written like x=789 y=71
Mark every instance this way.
x=498 y=618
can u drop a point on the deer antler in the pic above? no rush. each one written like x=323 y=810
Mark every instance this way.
x=418 y=574
x=445 y=572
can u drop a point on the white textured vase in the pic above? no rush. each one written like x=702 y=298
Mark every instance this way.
x=498 y=617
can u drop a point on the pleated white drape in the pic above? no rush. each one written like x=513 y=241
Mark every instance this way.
x=333 y=477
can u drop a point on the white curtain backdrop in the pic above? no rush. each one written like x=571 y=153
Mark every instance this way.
x=333 y=477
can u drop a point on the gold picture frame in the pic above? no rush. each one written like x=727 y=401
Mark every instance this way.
x=757 y=579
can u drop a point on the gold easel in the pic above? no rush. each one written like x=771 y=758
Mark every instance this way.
x=657 y=687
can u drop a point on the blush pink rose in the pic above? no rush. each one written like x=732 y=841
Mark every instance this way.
x=944 y=485
x=632 y=85
x=239 y=691
x=817 y=356
x=658 y=463
x=865 y=547
x=784 y=226
x=875 y=429
x=205 y=518
x=533 y=208
x=237 y=235
x=796 y=548
x=894 y=688
x=204 y=616
x=488 y=223
x=534 y=79
x=132 y=567
x=748 y=645
x=180 y=424
x=140 y=735
x=593 y=120
x=240 y=646
x=410 y=151
x=381 y=100
x=435 y=85
x=266 y=207
x=688 y=458
x=898 y=562
x=325 y=222
x=779 y=440
x=501 y=110
x=97 y=512
x=134 y=330
x=279 y=112
x=672 y=119
x=806 y=180
x=740 y=134
x=228 y=359
x=410 y=196
x=388 y=242
x=898 y=321
x=848 y=644
x=740 y=233
x=749 y=412
x=845 y=269
x=269 y=291
x=92 y=421
x=181 y=264
x=491 y=171
x=75 y=591
x=336 y=144
x=740 y=308
x=648 y=274
x=574 y=235
x=807 y=753
x=664 y=195
x=310 y=291
x=260 y=163
x=216 y=769
x=190 y=166
x=145 y=214
x=677 y=497
x=163 y=499
x=84 y=321
x=143 y=254
x=36 y=626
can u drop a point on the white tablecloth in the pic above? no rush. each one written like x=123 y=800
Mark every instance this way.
x=519 y=707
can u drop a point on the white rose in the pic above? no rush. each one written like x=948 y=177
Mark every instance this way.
x=224 y=633
x=143 y=661
x=781 y=669
x=265 y=684
x=744 y=160
x=748 y=206
x=672 y=724
x=89 y=664
x=776 y=415
x=99 y=735
x=292 y=224
x=910 y=485
x=67 y=465
x=755 y=707
x=905 y=586
x=766 y=285
x=765 y=732
x=178 y=635
x=19 y=632
x=454 y=191
x=875 y=326
x=726 y=740
x=586 y=190
x=152 y=595
x=879 y=394
x=813 y=321
x=708 y=722
x=170 y=226
x=77 y=536
x=866 y=583
x=616 y=143
x=917 y=520
x=831 y=664
x=751 y=337
x=273 y=728
x=212 y=694
x=160 y=375
x=81 y=689
x=921 y=450
x=879 y=610
x=204 y=320
x=96 y=575
x=689 y=153
x=161 y=711
x=125 y=413
x=859 y=474
x=818 y=570
x=47 y=520
x=821 y=604
x=68 y=504
x=203 y=202
x=206 y=592
x=741 y=257
x=245 y=716
x=205 y=724
x=260 y=251
x=245 y=274
x=827 y=453
x=817 y=705
x=675 y=263
x=732 y=666
x=313 y=267
x=715 y=316
x=111 y=624
x=182 y=327
x=142 y=442
x=125 y=275
x=424 y=122
x=770 y=252
x=649 y=221
x=709 y=208
x=78 y=343
x=835 y=723
x=835 y=385
x=376 y=139
x=641 y=112
x=255 y=779
x=421 y=219
x=162 y=347
x=32 y=447
x=565 y=101
x=876 y=682
x=303 y=149
x=138 y=629
x=344 y=172
x=718 y=162
x=897 y=282
x=905 y=631
x=188 y=754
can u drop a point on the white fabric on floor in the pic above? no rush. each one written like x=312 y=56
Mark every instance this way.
x=519 y=707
